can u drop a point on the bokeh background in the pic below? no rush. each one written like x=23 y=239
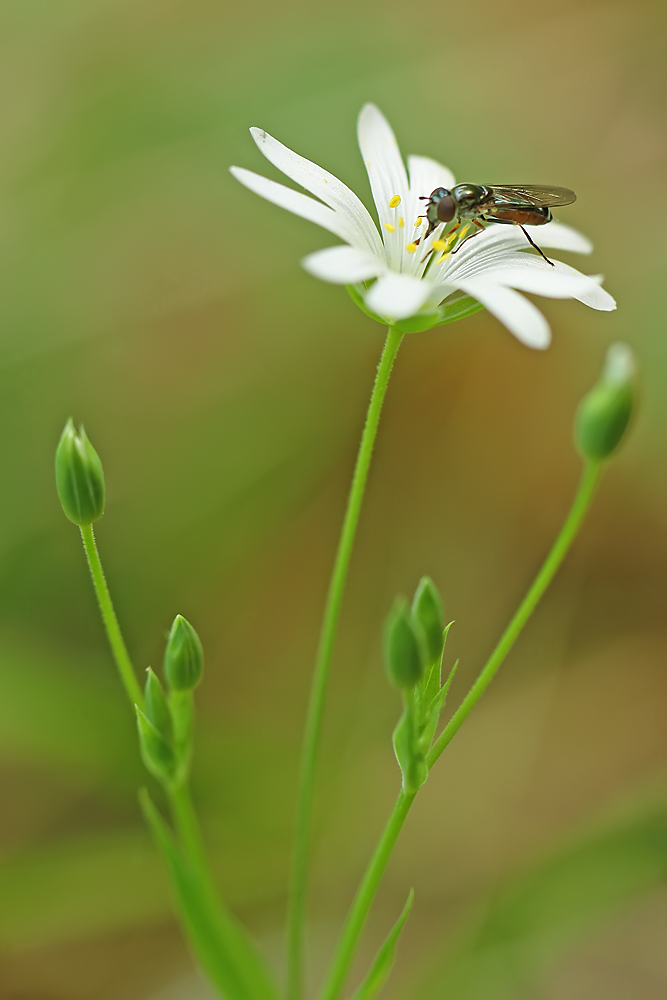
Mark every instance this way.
x=148 y=295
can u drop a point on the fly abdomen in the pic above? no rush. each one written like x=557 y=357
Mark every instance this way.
x=519 y=215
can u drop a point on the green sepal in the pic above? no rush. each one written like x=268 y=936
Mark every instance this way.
x=411 y=758
x=432 y=679
x=604 y=414
x=156 y=706
x=183 y=657
x=427 y=612
x=384 y=960
x=403 y=648
x=79 y=477
x=223 y=949
x=156 y=753
x=458 y=307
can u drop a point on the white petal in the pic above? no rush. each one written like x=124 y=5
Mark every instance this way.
x=397 y=296
x=529 y=273
x=520 y=316
x=361 y=230
x=382 y=157
x=490 y=247
x=343 y=265
x=426 y=175
x=293 y=201
x=559 y=237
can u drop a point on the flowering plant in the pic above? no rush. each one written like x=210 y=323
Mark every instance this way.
x=409 y=280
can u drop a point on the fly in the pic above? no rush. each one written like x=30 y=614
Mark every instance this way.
x=510 y=204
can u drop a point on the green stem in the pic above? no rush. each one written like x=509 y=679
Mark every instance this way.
x=114 y=634
x=313 y=730
x=560 y=548
x=362 y=902
x=189 y=833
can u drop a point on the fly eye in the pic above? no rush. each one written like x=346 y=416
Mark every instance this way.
x=446 y=209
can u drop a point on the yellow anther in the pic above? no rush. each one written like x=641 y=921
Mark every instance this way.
x=388 y=226
x=442 y=257
x=440 y=244
x=418 y=222
x=401 y=223
x=411 y=247
x=463 y=232
x=395 y=201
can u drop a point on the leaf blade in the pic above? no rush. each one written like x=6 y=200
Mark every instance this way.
x=218 y=941
x=384 y=960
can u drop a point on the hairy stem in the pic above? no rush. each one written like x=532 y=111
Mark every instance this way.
x=315 y=715
x=114 y=634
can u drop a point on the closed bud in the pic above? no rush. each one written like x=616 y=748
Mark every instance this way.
x=156 y=706
x=183 y=657
x=156 y=753
x=427 y=612
x=604 y=414
x=402 y=653
x=79 y=477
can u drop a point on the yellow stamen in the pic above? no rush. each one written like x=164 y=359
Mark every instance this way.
x=411 y=247
x=442 y=257
x=400 y=222
x=463 y=232
x=440 y=244
x=418 y=222
x=388 y=226
x=395 y=201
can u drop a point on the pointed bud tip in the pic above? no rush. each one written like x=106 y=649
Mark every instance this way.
x=79 y=477
x=183 y=657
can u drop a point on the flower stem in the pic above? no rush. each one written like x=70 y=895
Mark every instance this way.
x=315 y=715
x=189 y=833
x=363 y=900
x=114 y=634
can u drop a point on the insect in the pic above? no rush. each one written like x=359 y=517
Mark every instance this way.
x=511 y=204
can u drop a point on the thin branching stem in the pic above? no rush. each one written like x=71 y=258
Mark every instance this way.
x=363 y=900
x=315 y=715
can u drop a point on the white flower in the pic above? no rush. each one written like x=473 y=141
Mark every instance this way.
x=409 y=283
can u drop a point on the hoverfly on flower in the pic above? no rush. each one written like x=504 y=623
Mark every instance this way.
x=511 y=204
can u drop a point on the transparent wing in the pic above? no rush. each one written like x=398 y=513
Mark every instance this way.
x=541 y=195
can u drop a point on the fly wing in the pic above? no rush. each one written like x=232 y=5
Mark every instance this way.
x=538 y=195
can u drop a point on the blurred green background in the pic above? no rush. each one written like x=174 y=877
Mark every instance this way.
x=147 y=294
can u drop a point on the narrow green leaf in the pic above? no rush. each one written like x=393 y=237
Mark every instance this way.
x=220 y=944
x=384 y=960
x=432 y=681
x=434 y=711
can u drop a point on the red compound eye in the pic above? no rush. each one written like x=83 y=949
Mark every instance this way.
x=446 y=209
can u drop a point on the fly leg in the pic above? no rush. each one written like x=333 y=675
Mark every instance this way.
x=452 y=230
x=534 y=244
x=480 y=228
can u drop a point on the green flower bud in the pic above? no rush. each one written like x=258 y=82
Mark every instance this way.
x=156 y=753
x=157 y=707
x=604 y=414
x=79 y=477
x=402 y=653
x=427 y=612
x=183 y=657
